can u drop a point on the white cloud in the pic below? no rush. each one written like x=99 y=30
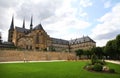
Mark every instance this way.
x=8 y=3
x=85 y=3
x=41 y=10
x=108 y=27
x=65 y=25
x=65 y=21
x=101 y=42
x=57 y=16
x=66 y=10
x=107 y=4
x=84 y=14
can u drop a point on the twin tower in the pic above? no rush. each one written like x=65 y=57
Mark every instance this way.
x=11 y=29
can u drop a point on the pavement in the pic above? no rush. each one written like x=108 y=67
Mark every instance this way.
x=113 y=61
x=32 y=61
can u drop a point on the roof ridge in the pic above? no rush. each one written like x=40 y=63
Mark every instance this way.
x=39 y=26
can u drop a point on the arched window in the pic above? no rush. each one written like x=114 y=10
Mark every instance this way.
x=37 y=38
x=26 y=46
x=30 y=47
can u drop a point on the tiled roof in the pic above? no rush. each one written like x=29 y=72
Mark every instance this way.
x=81 y=40
x=22 y=29
x=39 y=26
x=59 y=41
x=74 y=41
x=8 y=43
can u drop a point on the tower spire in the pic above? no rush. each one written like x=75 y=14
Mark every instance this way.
x=11 y=30
x=12 y=23
x=24 y=23
x=0 y=38
x=31 y=23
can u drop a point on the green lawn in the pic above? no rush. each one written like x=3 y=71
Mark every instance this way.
x=53 y=70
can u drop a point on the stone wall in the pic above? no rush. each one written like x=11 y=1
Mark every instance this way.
x=12 y=55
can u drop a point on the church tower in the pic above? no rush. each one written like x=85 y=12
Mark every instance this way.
x=11 y=30
x=31 y=24
x=24 y=23
x=0 y=38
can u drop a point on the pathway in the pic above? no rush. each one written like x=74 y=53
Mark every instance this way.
x=33 y=61
x=112 y=61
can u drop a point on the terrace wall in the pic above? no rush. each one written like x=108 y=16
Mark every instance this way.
x=12 y=55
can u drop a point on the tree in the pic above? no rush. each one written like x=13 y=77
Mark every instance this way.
x=79 y=53
x=94 y=59
x=110 y=49
x=87 y=53
x=118 y=46
x=97 y=51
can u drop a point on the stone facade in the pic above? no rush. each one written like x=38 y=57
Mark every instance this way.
x=37 y=39
x=85 y=43
x=26 y=56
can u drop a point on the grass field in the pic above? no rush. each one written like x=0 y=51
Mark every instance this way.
x=53 y=70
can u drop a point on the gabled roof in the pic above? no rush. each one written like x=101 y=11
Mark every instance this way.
x=22 y=30
x=81 y=40
x=8 y=43
x=38 y=27
x=59 y=41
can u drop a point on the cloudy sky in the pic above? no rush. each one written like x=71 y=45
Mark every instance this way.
x=65 y=19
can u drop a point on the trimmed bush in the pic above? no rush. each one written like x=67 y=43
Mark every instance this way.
x=94 y=59
x=101 y=62
x=89 y=67
x=97 y=67
x=111 y=70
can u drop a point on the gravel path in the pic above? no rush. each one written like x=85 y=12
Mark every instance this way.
x=32 y=61
x=112 y=61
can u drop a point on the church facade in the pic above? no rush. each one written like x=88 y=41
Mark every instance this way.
x=36 y=38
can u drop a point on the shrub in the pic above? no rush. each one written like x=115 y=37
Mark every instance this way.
x=97 y=67
x=111 y=70
x=100 y=62
x=88 y=64
x=94 y=59
x=89 y=67
x=105 y=68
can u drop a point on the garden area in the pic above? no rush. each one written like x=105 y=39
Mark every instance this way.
x=66 y=69
x=98 y=65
